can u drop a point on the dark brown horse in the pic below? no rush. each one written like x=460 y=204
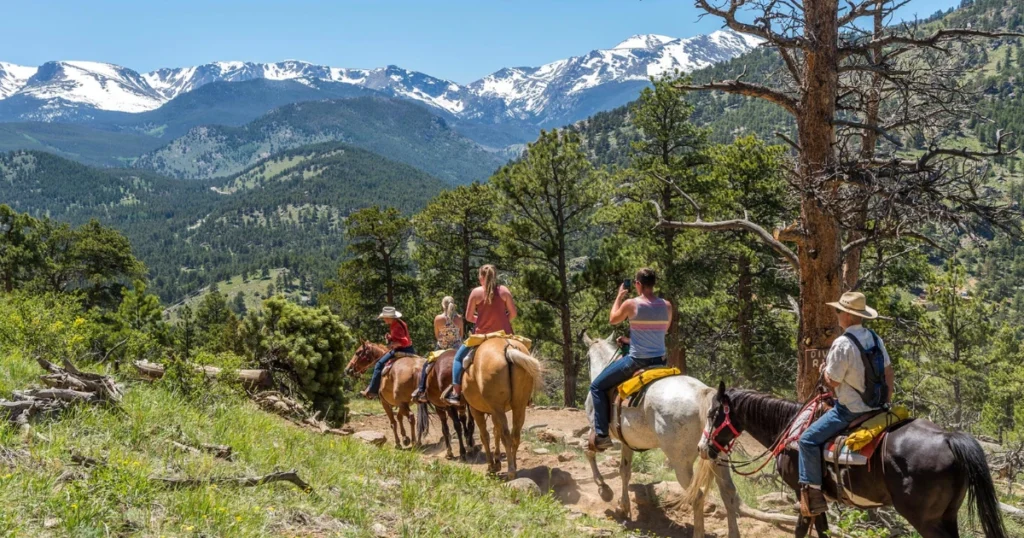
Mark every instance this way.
x=439 y=377
x=920 y=469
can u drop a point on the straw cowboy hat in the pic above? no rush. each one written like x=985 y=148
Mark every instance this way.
x=389 y=312
x=854 y=303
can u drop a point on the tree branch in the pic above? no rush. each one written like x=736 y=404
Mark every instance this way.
x=744 y=88
x=734 y=225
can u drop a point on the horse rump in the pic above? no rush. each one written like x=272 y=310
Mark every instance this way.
x=981 y=492
x=529 y=363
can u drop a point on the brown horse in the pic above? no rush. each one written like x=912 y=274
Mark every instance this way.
x=439 y=377
x=396 y=387
x=502 y=377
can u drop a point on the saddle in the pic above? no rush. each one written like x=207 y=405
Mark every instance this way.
x=398 y=355
x=857 y=443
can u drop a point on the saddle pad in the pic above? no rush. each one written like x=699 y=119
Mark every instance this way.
x=846 y=456
x=871 y=428
x=475 y=340
x=635 y=383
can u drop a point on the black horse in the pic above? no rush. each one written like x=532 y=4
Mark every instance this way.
x=920 y=469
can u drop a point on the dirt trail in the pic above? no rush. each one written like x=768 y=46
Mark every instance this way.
x=571 y=481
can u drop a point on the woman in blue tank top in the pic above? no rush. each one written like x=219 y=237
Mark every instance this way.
x=649 y=318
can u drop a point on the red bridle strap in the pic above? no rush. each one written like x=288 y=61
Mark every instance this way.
x=727 y=423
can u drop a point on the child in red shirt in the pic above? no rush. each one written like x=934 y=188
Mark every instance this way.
x=398 y=340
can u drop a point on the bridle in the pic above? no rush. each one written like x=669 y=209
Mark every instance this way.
x=727 y=423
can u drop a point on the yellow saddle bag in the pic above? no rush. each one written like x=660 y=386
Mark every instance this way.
x=475 y=340
x=635 y=383
x=874 y=426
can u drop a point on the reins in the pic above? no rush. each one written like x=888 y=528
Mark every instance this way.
x=780 y=442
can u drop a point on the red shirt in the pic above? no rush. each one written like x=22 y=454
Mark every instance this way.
x=491 y=317
x=399 y=334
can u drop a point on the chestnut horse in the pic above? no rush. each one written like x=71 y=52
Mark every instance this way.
x=502 y=377
x=396 y=387
x=439 y=377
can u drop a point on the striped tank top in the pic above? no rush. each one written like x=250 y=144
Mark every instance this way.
x=648 y=328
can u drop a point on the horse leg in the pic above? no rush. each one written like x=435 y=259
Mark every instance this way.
x=821 y=525
x=412 y=423
x=481 y=422
x=625 y=471
x=446 y=434
x=730 y=498
x=501 y=429
x=803 y=526
x=518 y=419
x=403 y=410
x=391 y=418
x=684 y=474
x=459 y=430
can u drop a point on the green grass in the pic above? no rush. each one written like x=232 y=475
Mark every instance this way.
x=354 y=486
x=254 y=290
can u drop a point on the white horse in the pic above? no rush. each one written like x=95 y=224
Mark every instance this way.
x=671 y=418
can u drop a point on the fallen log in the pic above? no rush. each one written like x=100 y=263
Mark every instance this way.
x=223 y=452
x=248 y=378
x=243 y=482
x=296 y=413
x=1012 y=511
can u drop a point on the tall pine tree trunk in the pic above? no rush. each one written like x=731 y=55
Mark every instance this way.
x=568 y=358
x=820 y=254
x=745 y=317
x=676 y=354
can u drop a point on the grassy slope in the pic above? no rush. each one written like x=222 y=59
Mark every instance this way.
x=254 y=290
x=355 y=486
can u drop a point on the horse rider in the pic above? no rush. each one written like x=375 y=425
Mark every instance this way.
x=448 y=326
x=399 y=341
x=856 y=394
x=649 y=318
x=490 y=308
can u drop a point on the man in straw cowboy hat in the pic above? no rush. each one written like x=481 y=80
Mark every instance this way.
x=859 y=372
x=399 y=341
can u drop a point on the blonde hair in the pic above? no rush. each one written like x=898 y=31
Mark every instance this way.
x=490 y=276
x=448 y=306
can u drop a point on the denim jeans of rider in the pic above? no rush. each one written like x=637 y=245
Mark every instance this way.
x=460 y=356
x=615 y=374
x=812 y=442
x=378 y=369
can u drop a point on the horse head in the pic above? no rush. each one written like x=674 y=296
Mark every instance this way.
x=366 y=354
x=600 y=352
x=720 y=429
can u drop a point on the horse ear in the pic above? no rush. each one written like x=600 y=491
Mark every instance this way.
x=587 y=339
x=721 y=391
x=611 y=337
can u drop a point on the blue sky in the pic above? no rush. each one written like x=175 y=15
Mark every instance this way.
x=455 y=39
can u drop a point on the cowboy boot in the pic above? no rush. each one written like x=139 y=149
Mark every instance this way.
x=812 y=502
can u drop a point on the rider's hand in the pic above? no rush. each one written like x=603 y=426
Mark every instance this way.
x=821 y=369
x=622 y=291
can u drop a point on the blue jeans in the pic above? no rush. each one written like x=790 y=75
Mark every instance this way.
x=813 y=440
x=612 y=376
x=457 y=365
x=378 y=369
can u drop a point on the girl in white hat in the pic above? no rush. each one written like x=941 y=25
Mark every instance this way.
x=398 y=340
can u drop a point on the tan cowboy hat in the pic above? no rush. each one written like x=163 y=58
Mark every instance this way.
x=389 y=312
x=854 y=303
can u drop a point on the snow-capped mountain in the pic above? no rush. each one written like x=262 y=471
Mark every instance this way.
x=537 y=95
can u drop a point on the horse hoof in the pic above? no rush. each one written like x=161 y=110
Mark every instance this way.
x=605 y=491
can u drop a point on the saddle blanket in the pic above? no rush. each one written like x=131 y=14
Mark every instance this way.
x=433 y=355
x=643 y=378
x=475 y=340
x=860 y=444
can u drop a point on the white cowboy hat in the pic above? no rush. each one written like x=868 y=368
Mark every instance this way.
x=389 y=312
x=855 y=303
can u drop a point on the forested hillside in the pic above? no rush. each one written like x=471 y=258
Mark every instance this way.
x=284 y=212
x=404 y=131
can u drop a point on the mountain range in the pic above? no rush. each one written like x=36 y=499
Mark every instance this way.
x=550 y=95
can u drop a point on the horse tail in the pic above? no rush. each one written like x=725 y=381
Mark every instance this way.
x=981 y=492
x=528 y=363
x=422 y=421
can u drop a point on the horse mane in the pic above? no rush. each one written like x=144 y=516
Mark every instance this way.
x=763 y=412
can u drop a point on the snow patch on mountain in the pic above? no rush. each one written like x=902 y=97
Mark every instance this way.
x=99 y=85
x=13 y=77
